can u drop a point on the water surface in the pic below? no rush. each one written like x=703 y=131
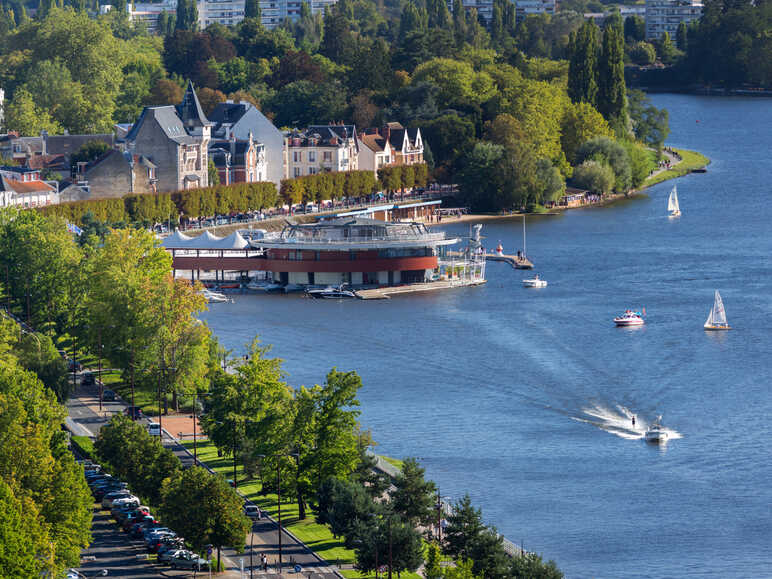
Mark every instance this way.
x=523 y=397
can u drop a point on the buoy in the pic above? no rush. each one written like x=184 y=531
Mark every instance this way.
x=500 y=249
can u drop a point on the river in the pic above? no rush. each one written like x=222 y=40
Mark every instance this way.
x=522 y=397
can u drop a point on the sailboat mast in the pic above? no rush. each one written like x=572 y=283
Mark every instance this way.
x=524 y=252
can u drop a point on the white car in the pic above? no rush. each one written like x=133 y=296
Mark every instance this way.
x=252 y=511
x=154 y=429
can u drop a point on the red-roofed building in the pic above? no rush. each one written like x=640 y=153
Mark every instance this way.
x=23 y=187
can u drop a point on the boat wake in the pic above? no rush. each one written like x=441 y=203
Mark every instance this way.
x=619 y=421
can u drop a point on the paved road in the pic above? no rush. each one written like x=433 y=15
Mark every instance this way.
x=83 y=411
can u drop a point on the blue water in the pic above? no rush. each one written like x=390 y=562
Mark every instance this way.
x=522 y=397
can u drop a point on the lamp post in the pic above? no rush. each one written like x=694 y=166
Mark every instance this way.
x=99 y=369
x=278 y=493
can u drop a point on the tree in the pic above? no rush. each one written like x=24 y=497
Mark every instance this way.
x=413 y=497
x=252 y=9
x=682 y=36
x=25 y=117
x=388 y=537
x=187 y=15
x=344 y=506
x=459 y=22
x=611 y=76
x=650 y=124
x=165 y=92
x=641 y=162
x=531 y=566
x=607 y=151
x=594 y=176
x=89 y=151
x=38 y=353
x=643 y=53
x=27 y=550
x=204 y=509
x=581 y=123
x=665 y=50
x=582 y=67
x=635 y=29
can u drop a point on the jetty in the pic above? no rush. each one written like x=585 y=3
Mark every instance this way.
x=385 y=293
x=516 y=261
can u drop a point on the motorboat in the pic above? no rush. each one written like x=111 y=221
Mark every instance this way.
x=331 y=292
x=672 y=203
x=292 y=287
x=656 y=434
x=264 y=286
x=535 y=281
x=717 y=316
x=214 y=297
x=630 y=318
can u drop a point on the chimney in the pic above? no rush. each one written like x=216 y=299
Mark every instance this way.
x=386 y=132
x=44 y=148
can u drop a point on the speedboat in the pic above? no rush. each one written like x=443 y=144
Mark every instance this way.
x=656 y=434
x=535 y=281
x=264 y=286
x=214 y=297
x=331 y=292
x=630 y=318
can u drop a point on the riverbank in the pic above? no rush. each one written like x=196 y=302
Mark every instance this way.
x=690 y=161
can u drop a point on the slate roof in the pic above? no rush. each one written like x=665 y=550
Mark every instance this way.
x=190 y=110
x=219 y=149
x=167 y=119
x=228 y=113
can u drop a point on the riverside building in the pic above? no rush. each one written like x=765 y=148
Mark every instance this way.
x=665 y=16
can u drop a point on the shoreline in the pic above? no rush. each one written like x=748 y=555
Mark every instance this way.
x=690 y=160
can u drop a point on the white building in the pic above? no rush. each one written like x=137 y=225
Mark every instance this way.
x=666 y=15
x=24 y=188
x=375 y=151
x=322 y=148
x=2 y=102
x=525 y=8
x=226 y=12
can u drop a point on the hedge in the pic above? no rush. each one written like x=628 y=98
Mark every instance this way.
x=240 y=197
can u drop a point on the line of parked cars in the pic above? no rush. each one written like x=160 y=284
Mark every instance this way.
x=138 y=522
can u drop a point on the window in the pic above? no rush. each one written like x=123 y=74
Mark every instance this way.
x=297 y=171
x=297 y=156
x=312 y=170
x=312 y=156
x=328 y=156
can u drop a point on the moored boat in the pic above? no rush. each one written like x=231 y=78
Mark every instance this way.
x=331 y=292
x=630 y=318
x=214 y=297
x=717 y=316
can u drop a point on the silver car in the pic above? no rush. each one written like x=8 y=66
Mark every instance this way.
x=188 y=561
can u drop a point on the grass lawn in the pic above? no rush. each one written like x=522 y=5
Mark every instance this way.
x=690 y=160
x=395 y=462
x=317 y=537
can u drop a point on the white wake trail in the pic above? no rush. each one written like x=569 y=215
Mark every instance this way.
x=619 y=421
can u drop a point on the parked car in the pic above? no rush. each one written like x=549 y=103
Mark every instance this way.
x=188 y=561
x=166 y=555
x=73 y=365
x=110 y=498
x=87 y=379
x=167 y=542
x=154 y=429
x=252 y=511
x=108 y=396
x=134 y=412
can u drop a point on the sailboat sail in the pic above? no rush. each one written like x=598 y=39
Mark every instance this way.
x=672 y=201
x=717 y=316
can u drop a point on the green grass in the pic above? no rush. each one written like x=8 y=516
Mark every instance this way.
x=690 y=160
x=84 y=444
x=318 y=537
x=395 y=462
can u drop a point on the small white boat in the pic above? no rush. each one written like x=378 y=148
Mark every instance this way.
x=655 y=434
x=535 y=281
x=672 y=203
x=717 y=316
x=331 y=292
x=215 y=297
x=264 y=286
x=630 y=318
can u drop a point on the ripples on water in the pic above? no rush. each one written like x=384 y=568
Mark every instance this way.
x=510 y=394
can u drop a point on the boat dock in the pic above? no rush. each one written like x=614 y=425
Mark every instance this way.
x=516 y=261
x=384 y=293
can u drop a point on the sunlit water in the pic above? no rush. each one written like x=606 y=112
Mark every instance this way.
x=524 y=398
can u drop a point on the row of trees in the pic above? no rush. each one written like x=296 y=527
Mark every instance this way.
x=198 y=505
x=44 y=500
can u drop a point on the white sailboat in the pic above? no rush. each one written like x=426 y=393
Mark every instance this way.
x=717 y=316
x=672 y=203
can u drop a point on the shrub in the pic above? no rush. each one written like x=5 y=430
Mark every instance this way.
x=594 y=176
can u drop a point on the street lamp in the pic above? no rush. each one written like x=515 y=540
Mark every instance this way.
x=278 y=492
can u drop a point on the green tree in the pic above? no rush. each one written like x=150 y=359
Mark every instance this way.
x=583 y=64
x=459 y=22
x=650 y=124
x=413 y=497
x=608 y=151
x=635 y=29
x=666 y=51
x=531 y=566
x=89 y=151
x=682 y=36
x=25 y=117
x=581 y=123
x=643 y=53
x=611 y=75
x=252 y=9
x=594 y=176
x=213 y=175
x=204 y=509
x=388 y=535
x=26 y=549
x=344 y=506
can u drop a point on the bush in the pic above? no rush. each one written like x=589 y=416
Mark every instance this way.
x=608 y=152
x=643 y=53
x=594 y=176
